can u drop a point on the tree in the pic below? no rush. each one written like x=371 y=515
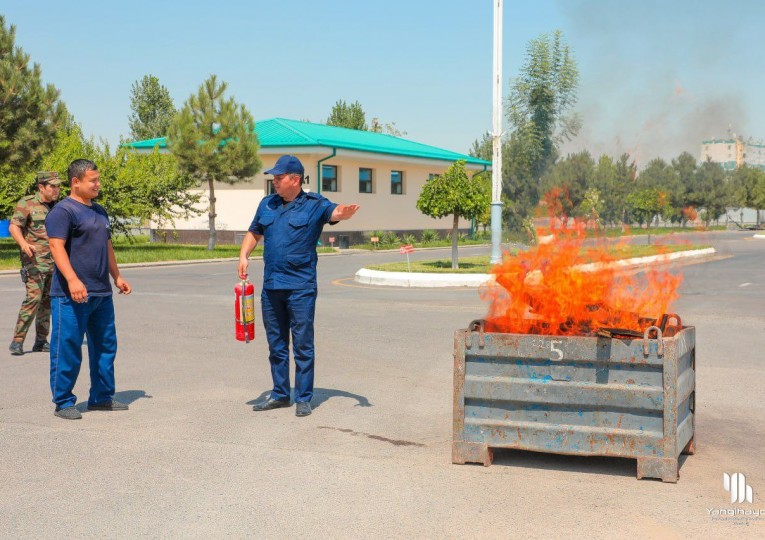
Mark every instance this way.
x=145 y=186
x=645 y=203
x=711 y=191
x=685 y=168
x=30 y=115
x=388 y=128
x=134 y=186
x=347 y=116
x=541 y=98
x=665 y=178
x=214 y=140
x=572 y=176
x=454 y=194
x=152 y=107
x=483 y=148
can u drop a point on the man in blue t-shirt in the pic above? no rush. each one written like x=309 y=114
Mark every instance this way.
x=290 y=221
x=81 y=295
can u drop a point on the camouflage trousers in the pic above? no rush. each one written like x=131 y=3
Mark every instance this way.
x=36 y=305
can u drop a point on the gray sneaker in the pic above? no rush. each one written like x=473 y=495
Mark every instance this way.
x=16 y=348
x=68 y=413
x=111 y=405
x=303 y=408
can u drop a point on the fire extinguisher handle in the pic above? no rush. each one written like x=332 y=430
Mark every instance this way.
x=242 y=310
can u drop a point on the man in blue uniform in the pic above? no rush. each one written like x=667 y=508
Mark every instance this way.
x=290 y=221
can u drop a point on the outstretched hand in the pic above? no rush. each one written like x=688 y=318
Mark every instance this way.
x=344 y=211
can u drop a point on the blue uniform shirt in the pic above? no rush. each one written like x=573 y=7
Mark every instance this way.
x=290 y=234
x=86 y=232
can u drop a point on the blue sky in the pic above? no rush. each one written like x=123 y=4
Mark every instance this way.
x=656 y=77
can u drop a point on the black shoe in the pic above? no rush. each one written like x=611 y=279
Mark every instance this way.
x=112 y=405
x=269 y=404
x=68 y=413
x=303 y=408
x=16 y=348
x=41 y=346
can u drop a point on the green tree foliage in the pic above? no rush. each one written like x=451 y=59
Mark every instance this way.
x=483 y=148
x=571 y=176
x=539 y=111
x=347 y=115
x=214 y=140
x=613 y=181
x=685 y=168
x=541 y=98
x=30 y=115
x=712 y=191
x=152 y=109
x=134 y=187
x=645 y=203
x=454 y=194
x=665 y=178
x=140 y=187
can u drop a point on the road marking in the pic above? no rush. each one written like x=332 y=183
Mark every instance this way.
x=745 y=284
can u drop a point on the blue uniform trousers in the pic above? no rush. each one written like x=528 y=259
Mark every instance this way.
x=284 y=311
x=70 y=322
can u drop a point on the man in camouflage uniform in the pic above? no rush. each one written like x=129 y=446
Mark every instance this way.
x=28 y=230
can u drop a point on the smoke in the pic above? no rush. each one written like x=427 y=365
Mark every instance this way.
x=658 y=78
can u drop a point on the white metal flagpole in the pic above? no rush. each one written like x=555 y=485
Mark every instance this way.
x=496 y=160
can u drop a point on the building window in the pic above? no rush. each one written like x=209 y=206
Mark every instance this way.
x=269 y=187
x=365 y=180
x=397 y=182
x=328 y=178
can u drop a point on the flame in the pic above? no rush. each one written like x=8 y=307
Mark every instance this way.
x=570 y=286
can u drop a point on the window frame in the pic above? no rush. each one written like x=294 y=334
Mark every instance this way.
x=330 y=179
x=370 y=181
x=400 y=183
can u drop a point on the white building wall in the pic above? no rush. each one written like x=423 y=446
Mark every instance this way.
x=380 y=210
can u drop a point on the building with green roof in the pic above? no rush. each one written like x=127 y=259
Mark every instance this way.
x=382 y=173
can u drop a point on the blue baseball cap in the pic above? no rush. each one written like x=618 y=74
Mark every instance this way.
x=285 y=165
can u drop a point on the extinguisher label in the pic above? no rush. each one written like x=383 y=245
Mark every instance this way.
x=249 y=309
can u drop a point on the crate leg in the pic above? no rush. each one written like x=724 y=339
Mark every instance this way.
x=664 y=468
x=690 y=448
x=471 y=452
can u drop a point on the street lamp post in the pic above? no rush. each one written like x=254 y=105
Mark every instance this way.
x=496 y=160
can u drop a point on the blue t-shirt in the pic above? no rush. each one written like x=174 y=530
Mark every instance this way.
x=290 y=235
x=86 y=232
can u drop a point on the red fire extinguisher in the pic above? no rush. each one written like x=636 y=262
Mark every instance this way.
x=244 y=311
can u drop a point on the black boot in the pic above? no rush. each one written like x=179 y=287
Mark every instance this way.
x=41 y=345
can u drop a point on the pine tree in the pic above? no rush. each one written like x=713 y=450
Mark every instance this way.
x=214 y=140
x=30 y=115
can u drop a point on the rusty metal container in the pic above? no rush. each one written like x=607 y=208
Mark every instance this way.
x=590 y=396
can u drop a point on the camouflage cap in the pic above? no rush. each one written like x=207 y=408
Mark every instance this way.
x=48 y=177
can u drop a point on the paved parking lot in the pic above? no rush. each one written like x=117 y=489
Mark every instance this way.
x=192 y=459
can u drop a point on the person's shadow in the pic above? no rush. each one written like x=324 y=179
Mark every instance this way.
x=125 y=396
x=320 y=395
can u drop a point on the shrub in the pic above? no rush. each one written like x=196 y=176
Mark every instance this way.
x=389 y=238
x=429 y=236
x=410 y=239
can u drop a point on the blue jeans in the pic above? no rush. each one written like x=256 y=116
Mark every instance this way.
x=70 y=322
x=285 y=311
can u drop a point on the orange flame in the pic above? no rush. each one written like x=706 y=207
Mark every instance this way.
x=567 y=286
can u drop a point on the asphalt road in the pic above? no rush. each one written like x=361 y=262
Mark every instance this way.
x=191 y=459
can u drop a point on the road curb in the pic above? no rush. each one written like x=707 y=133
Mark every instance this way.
x=405 y=279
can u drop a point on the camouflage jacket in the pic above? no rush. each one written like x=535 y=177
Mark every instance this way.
x=29 y=215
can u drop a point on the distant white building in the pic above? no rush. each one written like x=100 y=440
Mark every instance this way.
x=734 y=152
